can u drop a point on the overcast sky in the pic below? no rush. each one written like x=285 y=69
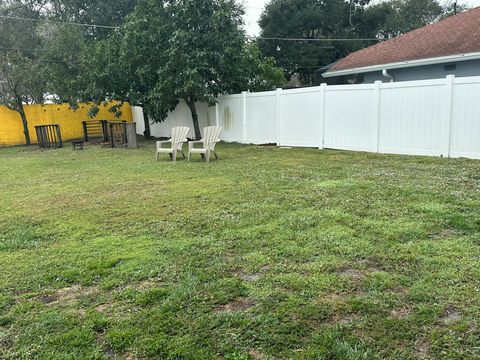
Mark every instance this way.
x=254 y=9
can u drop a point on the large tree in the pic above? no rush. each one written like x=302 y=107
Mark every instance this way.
x=313 y=20
x=22 y=70
x=191 y=50
x=395 y=17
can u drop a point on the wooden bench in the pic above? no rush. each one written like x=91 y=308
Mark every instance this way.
x=78 y=144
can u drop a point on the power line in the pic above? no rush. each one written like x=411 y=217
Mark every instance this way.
x=253 y=7
x=58 y=22
x=117 y=27
x=56 y=51
x=302 y=39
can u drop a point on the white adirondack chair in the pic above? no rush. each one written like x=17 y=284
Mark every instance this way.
x=211 y=135
x=179 y=136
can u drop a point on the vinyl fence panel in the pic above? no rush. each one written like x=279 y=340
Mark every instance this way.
x=230 y=116
x=351 y=117
x=300 y=117
x=465 y=130
x=261 y=121
x=414 y=118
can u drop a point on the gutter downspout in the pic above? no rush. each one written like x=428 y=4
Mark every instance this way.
x=387 y=75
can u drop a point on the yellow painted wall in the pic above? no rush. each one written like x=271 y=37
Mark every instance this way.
x=11 y=128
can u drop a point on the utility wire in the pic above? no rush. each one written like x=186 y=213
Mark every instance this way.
x=56 y=51
x=58 y=22
x=117 y=27
x=302 y=39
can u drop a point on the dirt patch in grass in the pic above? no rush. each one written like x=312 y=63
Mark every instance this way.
x=248 y=277
x=401 y=312
x=338 y=303
x=445 y=234
x=344 y=319
x=103 y=307
x=71 y=294
x=251 y=277
x=450 y=316
x=46 y=299
x=255 y=354
x=353 y=274
x=401 y=290
x=422 y=348
x=66 y=296
x=332 y=298
x=148 y=284
x=241 y=304
x=338 y=300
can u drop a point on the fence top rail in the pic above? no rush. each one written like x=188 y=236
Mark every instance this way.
x=261 y=94
x=369 y=86
x=301 y=90
x=415 y=83
x=467 y=80
x=231 y=96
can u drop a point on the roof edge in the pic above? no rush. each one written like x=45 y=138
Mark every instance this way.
x=404 y=64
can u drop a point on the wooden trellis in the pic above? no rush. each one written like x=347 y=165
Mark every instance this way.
x=49 y=136
x=95 y=130
x=118 y=133
x=100 y=130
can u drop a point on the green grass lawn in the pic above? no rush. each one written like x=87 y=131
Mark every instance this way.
x=266 y=254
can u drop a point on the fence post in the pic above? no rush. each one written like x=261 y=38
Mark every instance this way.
x=244 y=117
x=449 y=102
x=323 y=90
x=378 y=85
x=85 y=131
x=59 y=135
x=278 y=107
x=217 y=120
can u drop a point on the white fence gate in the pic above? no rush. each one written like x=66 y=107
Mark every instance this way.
x=438 y=117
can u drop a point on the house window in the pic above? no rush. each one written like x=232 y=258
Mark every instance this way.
x=450 y=67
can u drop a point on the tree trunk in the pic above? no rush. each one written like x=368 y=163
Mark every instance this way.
x=146 y=120
x=191 y=104
x=21 y=111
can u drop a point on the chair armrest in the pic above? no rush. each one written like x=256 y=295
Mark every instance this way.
x=191 y=143
x=160 y=143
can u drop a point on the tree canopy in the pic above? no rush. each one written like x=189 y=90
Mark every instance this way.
x=395 y=17
x=309 y=19
x=40 y=59
x=193 y=50
x=22 y=71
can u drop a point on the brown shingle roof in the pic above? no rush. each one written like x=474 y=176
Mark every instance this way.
x=458 y=34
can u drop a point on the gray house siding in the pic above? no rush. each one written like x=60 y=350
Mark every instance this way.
x=462 y=68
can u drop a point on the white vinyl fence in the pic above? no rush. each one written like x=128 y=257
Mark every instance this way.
x=434 y=117
x=180 y=117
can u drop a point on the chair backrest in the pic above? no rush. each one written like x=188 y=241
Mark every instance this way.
x=179 y=136
x=211 y=135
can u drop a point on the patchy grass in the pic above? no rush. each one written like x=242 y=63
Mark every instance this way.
x=269 y=253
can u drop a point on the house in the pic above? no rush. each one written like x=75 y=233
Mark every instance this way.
x=448 y=47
